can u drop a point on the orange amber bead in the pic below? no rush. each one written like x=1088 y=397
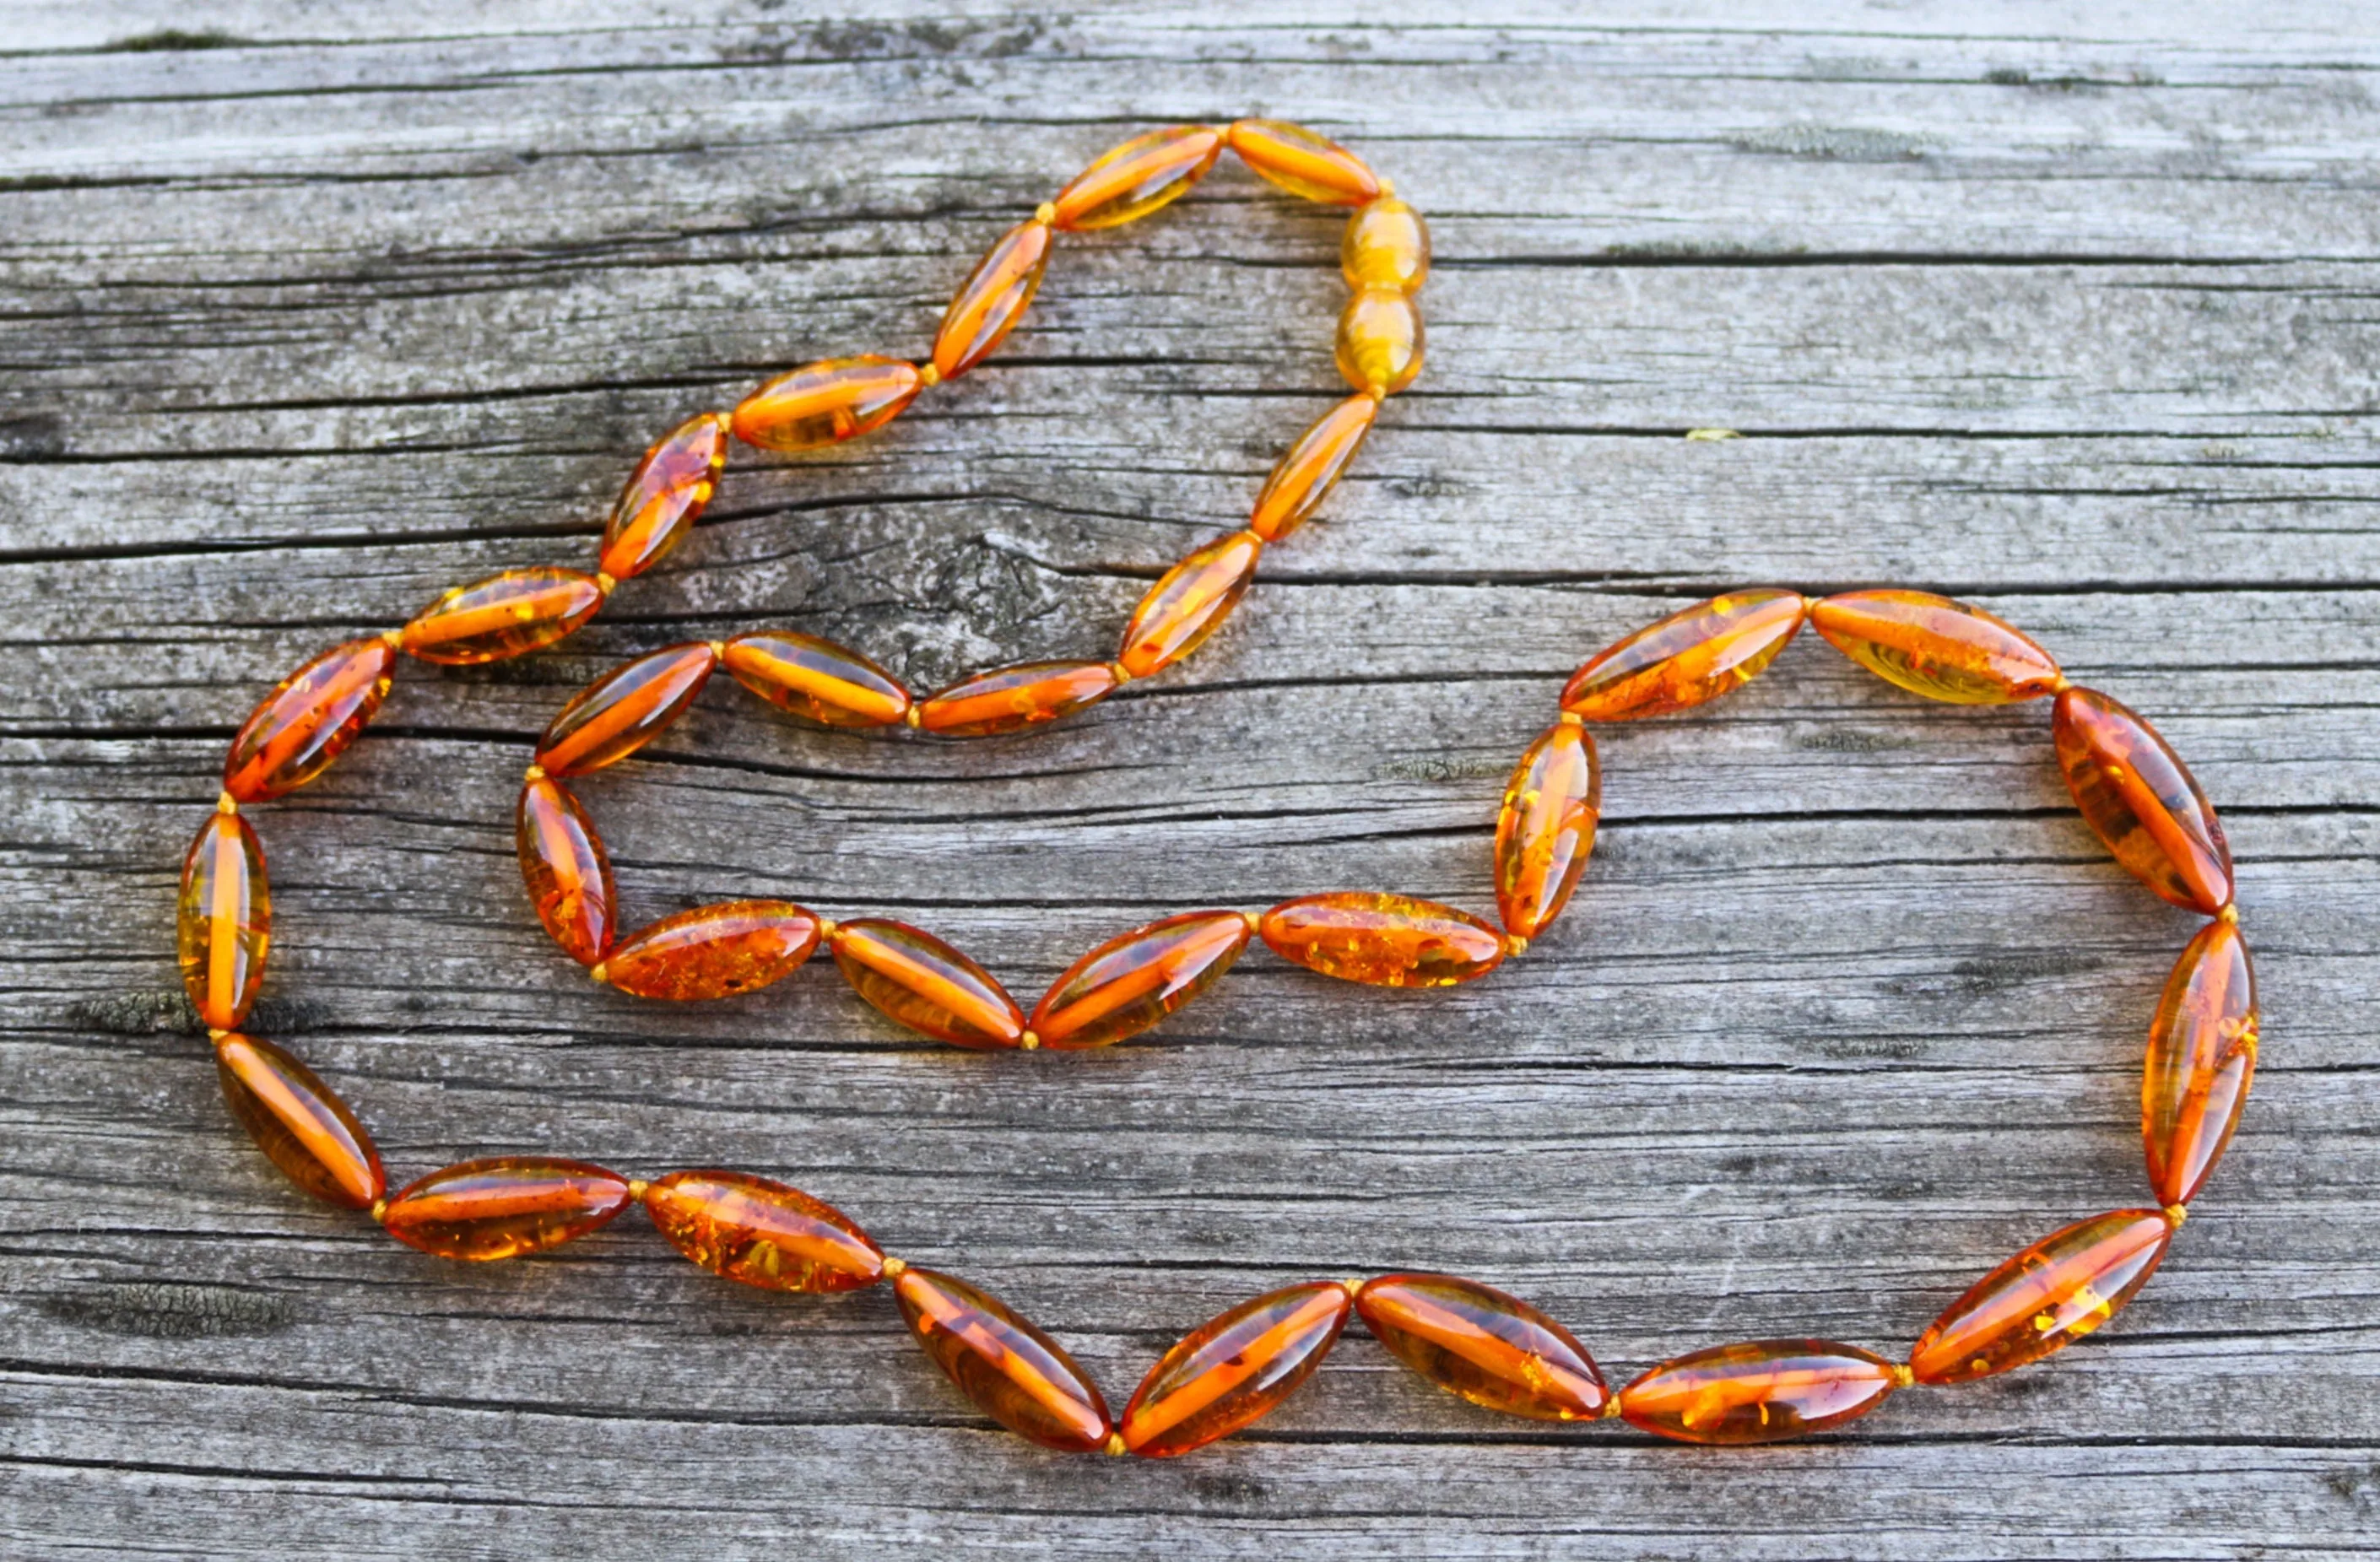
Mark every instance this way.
x=993 y=299
x=713 y=951
x=1685 y=658
x=816 y=679
x=1016 y=1374
x=1380 y=341
x=1139 y=176
x=309 y=720
x=1189 y=603
x=1312 y=469
x=665 y=493
x=1385 y=941
x=1761 y=1392
x=763 y=1233
x=1132 y=982
x=827 y=402
x=1233 y=1370
x=623 y=710
x=1546 y=828
x=499 y=1209
x=2201 y=1058
x=1935 y=646
x=225 y=920
x=1475 y=1341
x=1303 y=163
x=2136 y=796
x=914 y=979
x=1386 y=244
x=568 y=876
x=1008 y=699
x=303 y=1128
x=2045 y=1299
x=505 y=615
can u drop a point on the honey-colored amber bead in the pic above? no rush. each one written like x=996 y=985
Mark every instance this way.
x=225 y=922
x=1138 y=178
x=914 y=979
x=299 y=1124
x=500 y=1208
x=669 y=488
x=1937 y=647
x=309 y=720
x=1491 y=1348
x=1189 y=603
x=1386 y=244
x=1385 y=941
x=1234 y=1369
x=1761 y=1392
x=763 y=1233
x=2201 y=1058
x=505 y=615
x=1016 y=1374
x=713 y=951
x=993 y=299
x=623 y=710
x=1009 y=699
x=1137 y=979
x=2045 y=1299
x=1685 y=658
x=1546 y=828
x=565 y=869
x=1380 y=341
x=1312 y=469
x=2136 y=796
x=827 y=402
x=816 y=679
x=1303 y=163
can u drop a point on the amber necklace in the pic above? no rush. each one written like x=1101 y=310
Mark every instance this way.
x=1493 y=1350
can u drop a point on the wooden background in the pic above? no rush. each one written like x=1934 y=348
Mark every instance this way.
x=309 y=310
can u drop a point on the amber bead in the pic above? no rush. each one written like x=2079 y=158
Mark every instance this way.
x=1380 y=341
x=1488 y=1348
x=1303 y=163
x=1189 y=603
x=1138 y=178
x=827 y=402
x=225 y=920
x=503 y=1208
x=1312 y=469
x=1009 y=699
x=1685 y=658
x=1234 y=1369
x=1386 y=244
x=1546 y=828
x=1137 y=979
x=1761 y=1392
x=2136 y=796
x=1935 y=646
x=993 y=299
x=1016 y=1374
x=2201 y=1058
x=302 y=1127
x=763 y=1233
x=623 y=710
x=309 y=720
x=816 y=679
x=1385 y=941
x=564 y=866
x=505 y=615
x=914 y=979
x=665 y=493
x=713 y=951
x=2045 y=1299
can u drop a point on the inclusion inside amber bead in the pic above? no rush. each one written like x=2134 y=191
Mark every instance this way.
x=1546 y=828
x=1380 y=341
x=816 y=679
x=1189 y=603
x=1936 y=646
x=2137 y=796
x=1134 y=981
x=2201 y=1057
x=309 y=720
x=2045 y=1299
x=1138 y=178
x=565 y=870
x=914 y=979
x=1761 y=1392
x=1493 y=1350
x=1385 y=941
x=1312 y=469
x=993 y=299
x=299 y=1123
x=225 y=920
x=624 y=711
x=500 y=1208
x=713 y=951
x=505 y=615
x=1008 y=699
x=1303 y=163
x=827 y=402
x=669 y=488
x=763 y=1233
x=1685 y=658
x=1014 y=1373
x=1235 y=1369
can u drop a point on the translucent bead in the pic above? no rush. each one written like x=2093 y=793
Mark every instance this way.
x=1386 y=244
x=2201 y=1058
x=816 y=679
x=1385 y=941
x=713 y=951
x=1380 y=341
x=505 y=615
x=1546 y=828
x=827 y=402
x=302 y=1127
x=1234 y=1369
x=763 y=1233
x=225 y=920
x=1138 y=178
x=564 y=867
x=1687 y=658
x=669 y=488
x=1762 y=1392
x=309 y=720
x=499 y=1209
x=1133 y=981
x=1312 y=469
x=623 y=710
x=1935 y=646
x=2045 y=1299
x=1189 y=603
x=1491 y=1348
x=993 y=299
x=2136 y=796
x=1009 y=699
x=914 y=979
x=1016 y=1374
x=1303 y=163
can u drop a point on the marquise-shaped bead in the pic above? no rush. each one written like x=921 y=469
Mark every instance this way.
x=309 y=720
x=914 y=979
x=1008 y=699
x=713 y=951
x=2043 y=1299
x=1138 y=178
x=1235 y=1369
x=1546 y=828
x=993 y=299
x=1189 y=603
x=2136 y=796
x=1016 y=1374
x=827 y=402
x=1685 y=658
x=1936 y=646
x=505 y=1206
x=1380 y=341
x=300 y=1125
x=225 y=920
x=1386 y=244
x=1303 y=163
x=2201 y=1058
x=1137 y=979
x=763 y=1233
x=1765 y=1391
x=668 y=490
x=816 y=679
x=1385 y=940
x=505 y=615
x=1493 y=1350
x=625 y=710
x=1312 y=469
x=565 y=870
